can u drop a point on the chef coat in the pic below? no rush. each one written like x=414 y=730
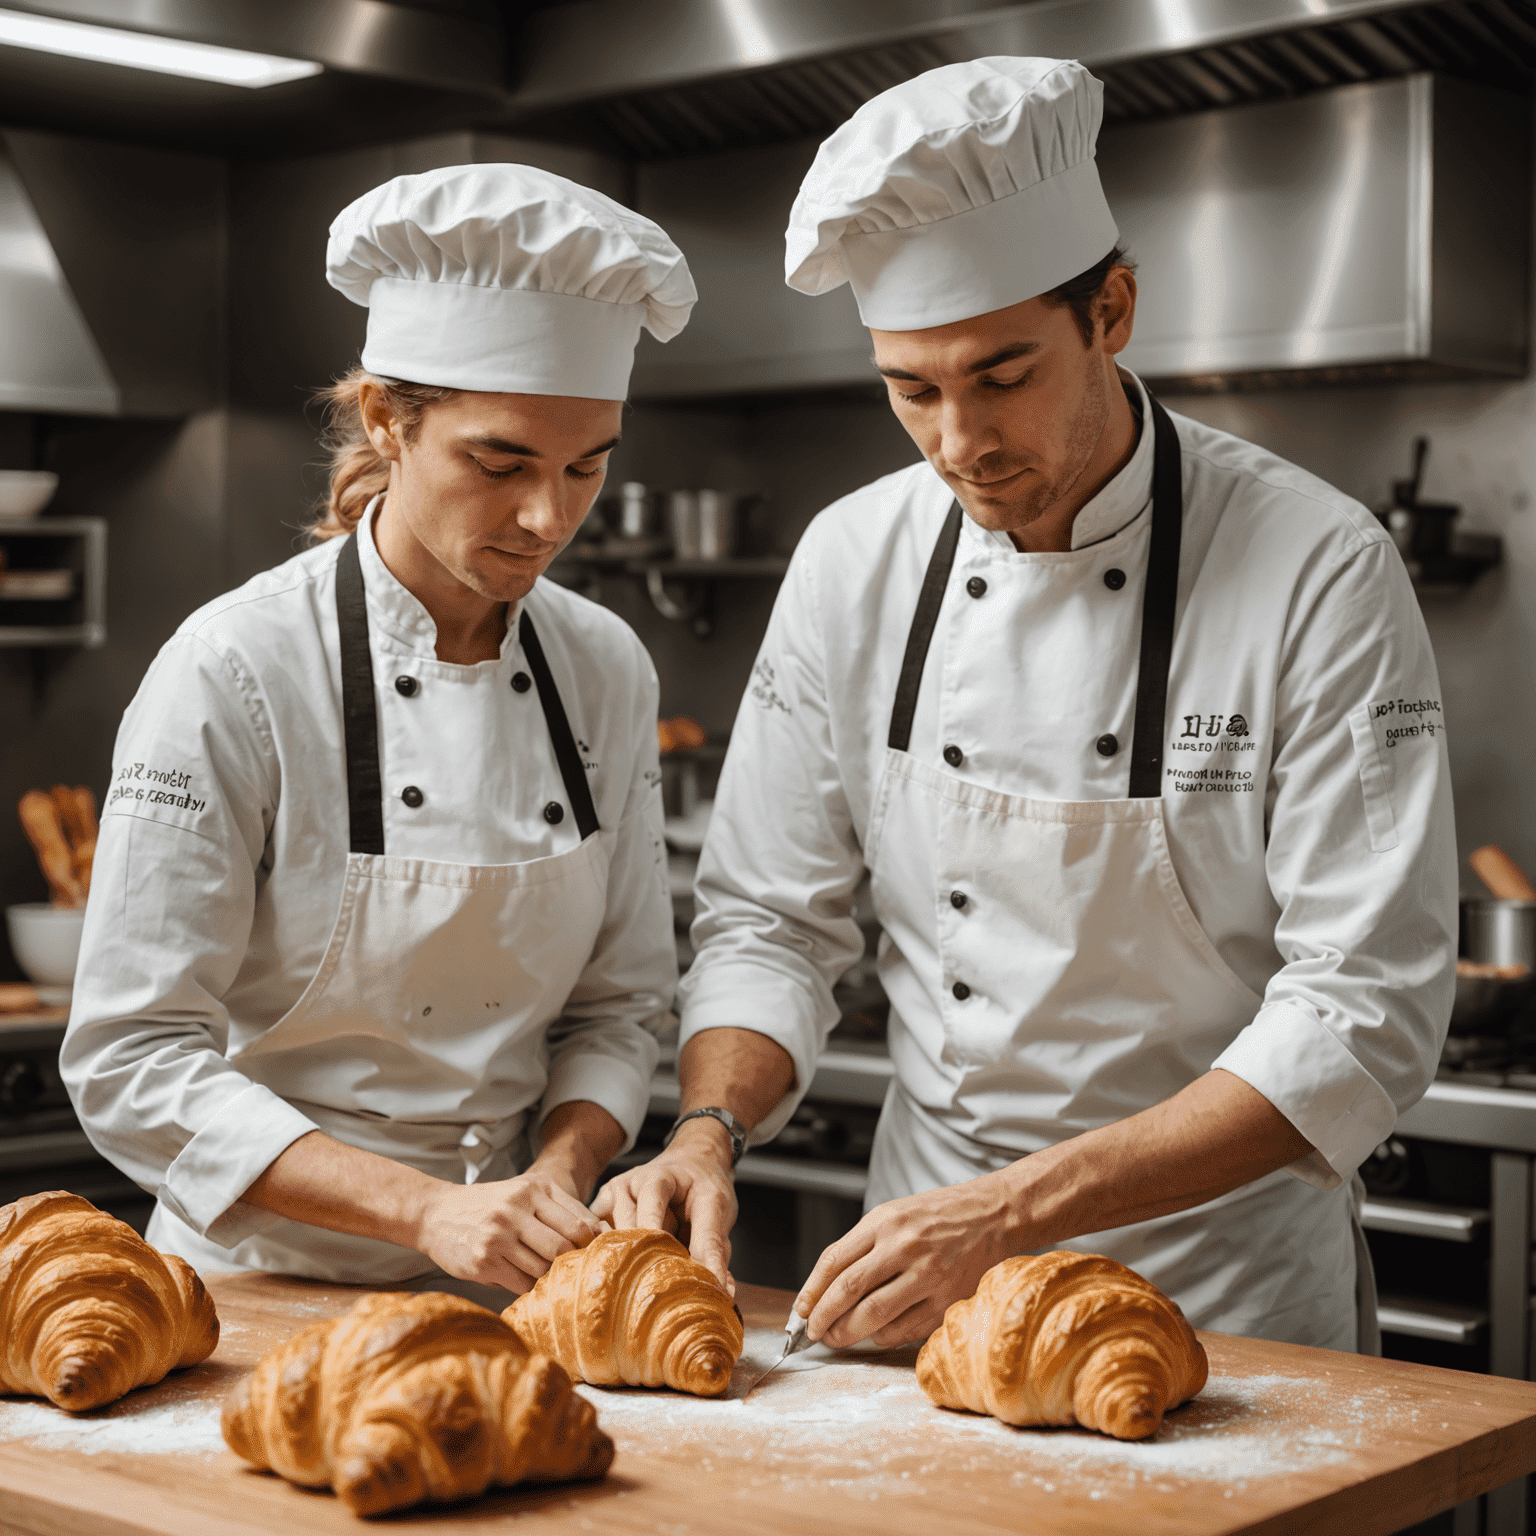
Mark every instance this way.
x=224 y=852
x=1306 y=794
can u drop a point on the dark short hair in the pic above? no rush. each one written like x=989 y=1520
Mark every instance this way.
x=1079 y=293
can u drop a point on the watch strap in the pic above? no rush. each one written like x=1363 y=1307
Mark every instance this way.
x=733 y=1128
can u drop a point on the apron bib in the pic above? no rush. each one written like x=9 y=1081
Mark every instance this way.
x=1075 y=987
x=436 y=975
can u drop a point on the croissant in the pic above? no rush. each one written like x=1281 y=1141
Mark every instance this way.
x=412 y=1398
x=88 y=1310
x=1065 y=1338
x=632 y=1309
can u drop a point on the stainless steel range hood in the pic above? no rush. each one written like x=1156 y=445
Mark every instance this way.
x=49 y=361
x=677 y=77
x=1376 y=231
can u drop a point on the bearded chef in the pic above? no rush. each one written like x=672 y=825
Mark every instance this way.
x=1135 y=729
x=381 y=934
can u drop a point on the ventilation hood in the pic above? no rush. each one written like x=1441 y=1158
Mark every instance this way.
x=681 y=77
x=1377 y=231
x=1373 y=231
x=49 y=361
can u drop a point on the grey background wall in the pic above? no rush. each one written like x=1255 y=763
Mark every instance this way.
x=211 y=477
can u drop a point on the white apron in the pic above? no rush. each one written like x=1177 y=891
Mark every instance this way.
x=1072 y=965
x=435 y=973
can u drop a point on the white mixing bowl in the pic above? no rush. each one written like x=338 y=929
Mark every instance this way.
x=45 y=941
x=25 y=492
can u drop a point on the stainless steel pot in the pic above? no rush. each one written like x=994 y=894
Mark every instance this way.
x=1499 y=932
x=1495 y=932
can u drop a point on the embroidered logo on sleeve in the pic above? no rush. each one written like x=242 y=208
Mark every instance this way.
x=142 y=784
x=1397 y=722
x=1389 y=733
x=764 y=688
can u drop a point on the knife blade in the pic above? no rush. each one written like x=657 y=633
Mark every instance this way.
x=795 y=1340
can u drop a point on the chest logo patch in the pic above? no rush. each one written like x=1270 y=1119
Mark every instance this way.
x=1212 y=733
x=1228 y=735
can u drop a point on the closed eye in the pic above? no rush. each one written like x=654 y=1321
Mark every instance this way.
x=494 y=474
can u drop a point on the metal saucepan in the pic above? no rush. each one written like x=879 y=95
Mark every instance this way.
x=1494 y=933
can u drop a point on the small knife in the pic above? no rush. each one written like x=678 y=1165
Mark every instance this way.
x=795 y=1340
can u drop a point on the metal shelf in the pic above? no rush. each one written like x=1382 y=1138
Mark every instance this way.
x=88 y=608
x=1430 y=1320
x=1420 y=1218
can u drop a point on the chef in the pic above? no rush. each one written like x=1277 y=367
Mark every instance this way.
x=381 y=933
x=1135 y=730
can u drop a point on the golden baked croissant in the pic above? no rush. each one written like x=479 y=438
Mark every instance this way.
x=88 y=1310
x=412 y=1398
x=1065 y=1338
x=632 y=1309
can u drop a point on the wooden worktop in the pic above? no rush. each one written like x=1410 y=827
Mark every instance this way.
x=1283 y=1439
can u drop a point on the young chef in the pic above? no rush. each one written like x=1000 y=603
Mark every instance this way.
x=1137 y=732
x=381 y=932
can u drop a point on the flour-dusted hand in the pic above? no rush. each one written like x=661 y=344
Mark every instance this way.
x=506 y=1232
x=892 y=1277
x=686 y=1190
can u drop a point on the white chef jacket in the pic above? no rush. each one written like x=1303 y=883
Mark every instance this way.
x=1306 y=783
x=224 y=847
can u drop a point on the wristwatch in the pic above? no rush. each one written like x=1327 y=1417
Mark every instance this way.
x=733 y=1128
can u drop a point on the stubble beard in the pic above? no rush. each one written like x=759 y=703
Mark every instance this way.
x=1038 y=495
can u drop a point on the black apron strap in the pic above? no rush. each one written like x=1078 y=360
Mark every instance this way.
x=577 y=790
x=359 y=713
x=1157 y=614
x=360 y=724
x=929 y=600
x=1157 y=609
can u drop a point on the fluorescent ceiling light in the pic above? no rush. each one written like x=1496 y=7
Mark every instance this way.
x=143 y=50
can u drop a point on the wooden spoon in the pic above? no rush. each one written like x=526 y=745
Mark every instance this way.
x=1503 y=877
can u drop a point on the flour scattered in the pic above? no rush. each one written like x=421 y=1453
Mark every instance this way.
x=862 y=1424
x=127 y=1428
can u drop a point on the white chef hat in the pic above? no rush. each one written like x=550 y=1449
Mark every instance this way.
x=505 y=278
x=968 y=189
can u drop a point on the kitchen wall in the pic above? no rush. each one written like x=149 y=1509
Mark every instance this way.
x=156 y=307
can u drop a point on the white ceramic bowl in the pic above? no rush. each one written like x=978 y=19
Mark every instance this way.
x=25 y=492
x=45 y=941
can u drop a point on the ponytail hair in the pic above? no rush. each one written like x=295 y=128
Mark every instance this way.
x=358 y=471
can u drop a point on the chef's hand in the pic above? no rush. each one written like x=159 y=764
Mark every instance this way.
x=892 y=1277
x=687 y=1189
x=506 y=1232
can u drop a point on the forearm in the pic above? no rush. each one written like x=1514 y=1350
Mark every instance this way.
x=1213 y=1136
x=577 y=1141
x=326 y=1183
x=735 y=1069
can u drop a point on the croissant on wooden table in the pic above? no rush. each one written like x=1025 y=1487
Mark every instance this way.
x=88 y=1310
x=632 y=1309
x=1065 y=1338
x=409 y=1399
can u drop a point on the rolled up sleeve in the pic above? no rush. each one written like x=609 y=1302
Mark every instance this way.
x=775 y=927
x=173 y=893
x=1361 y=858
x=603 y=1048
